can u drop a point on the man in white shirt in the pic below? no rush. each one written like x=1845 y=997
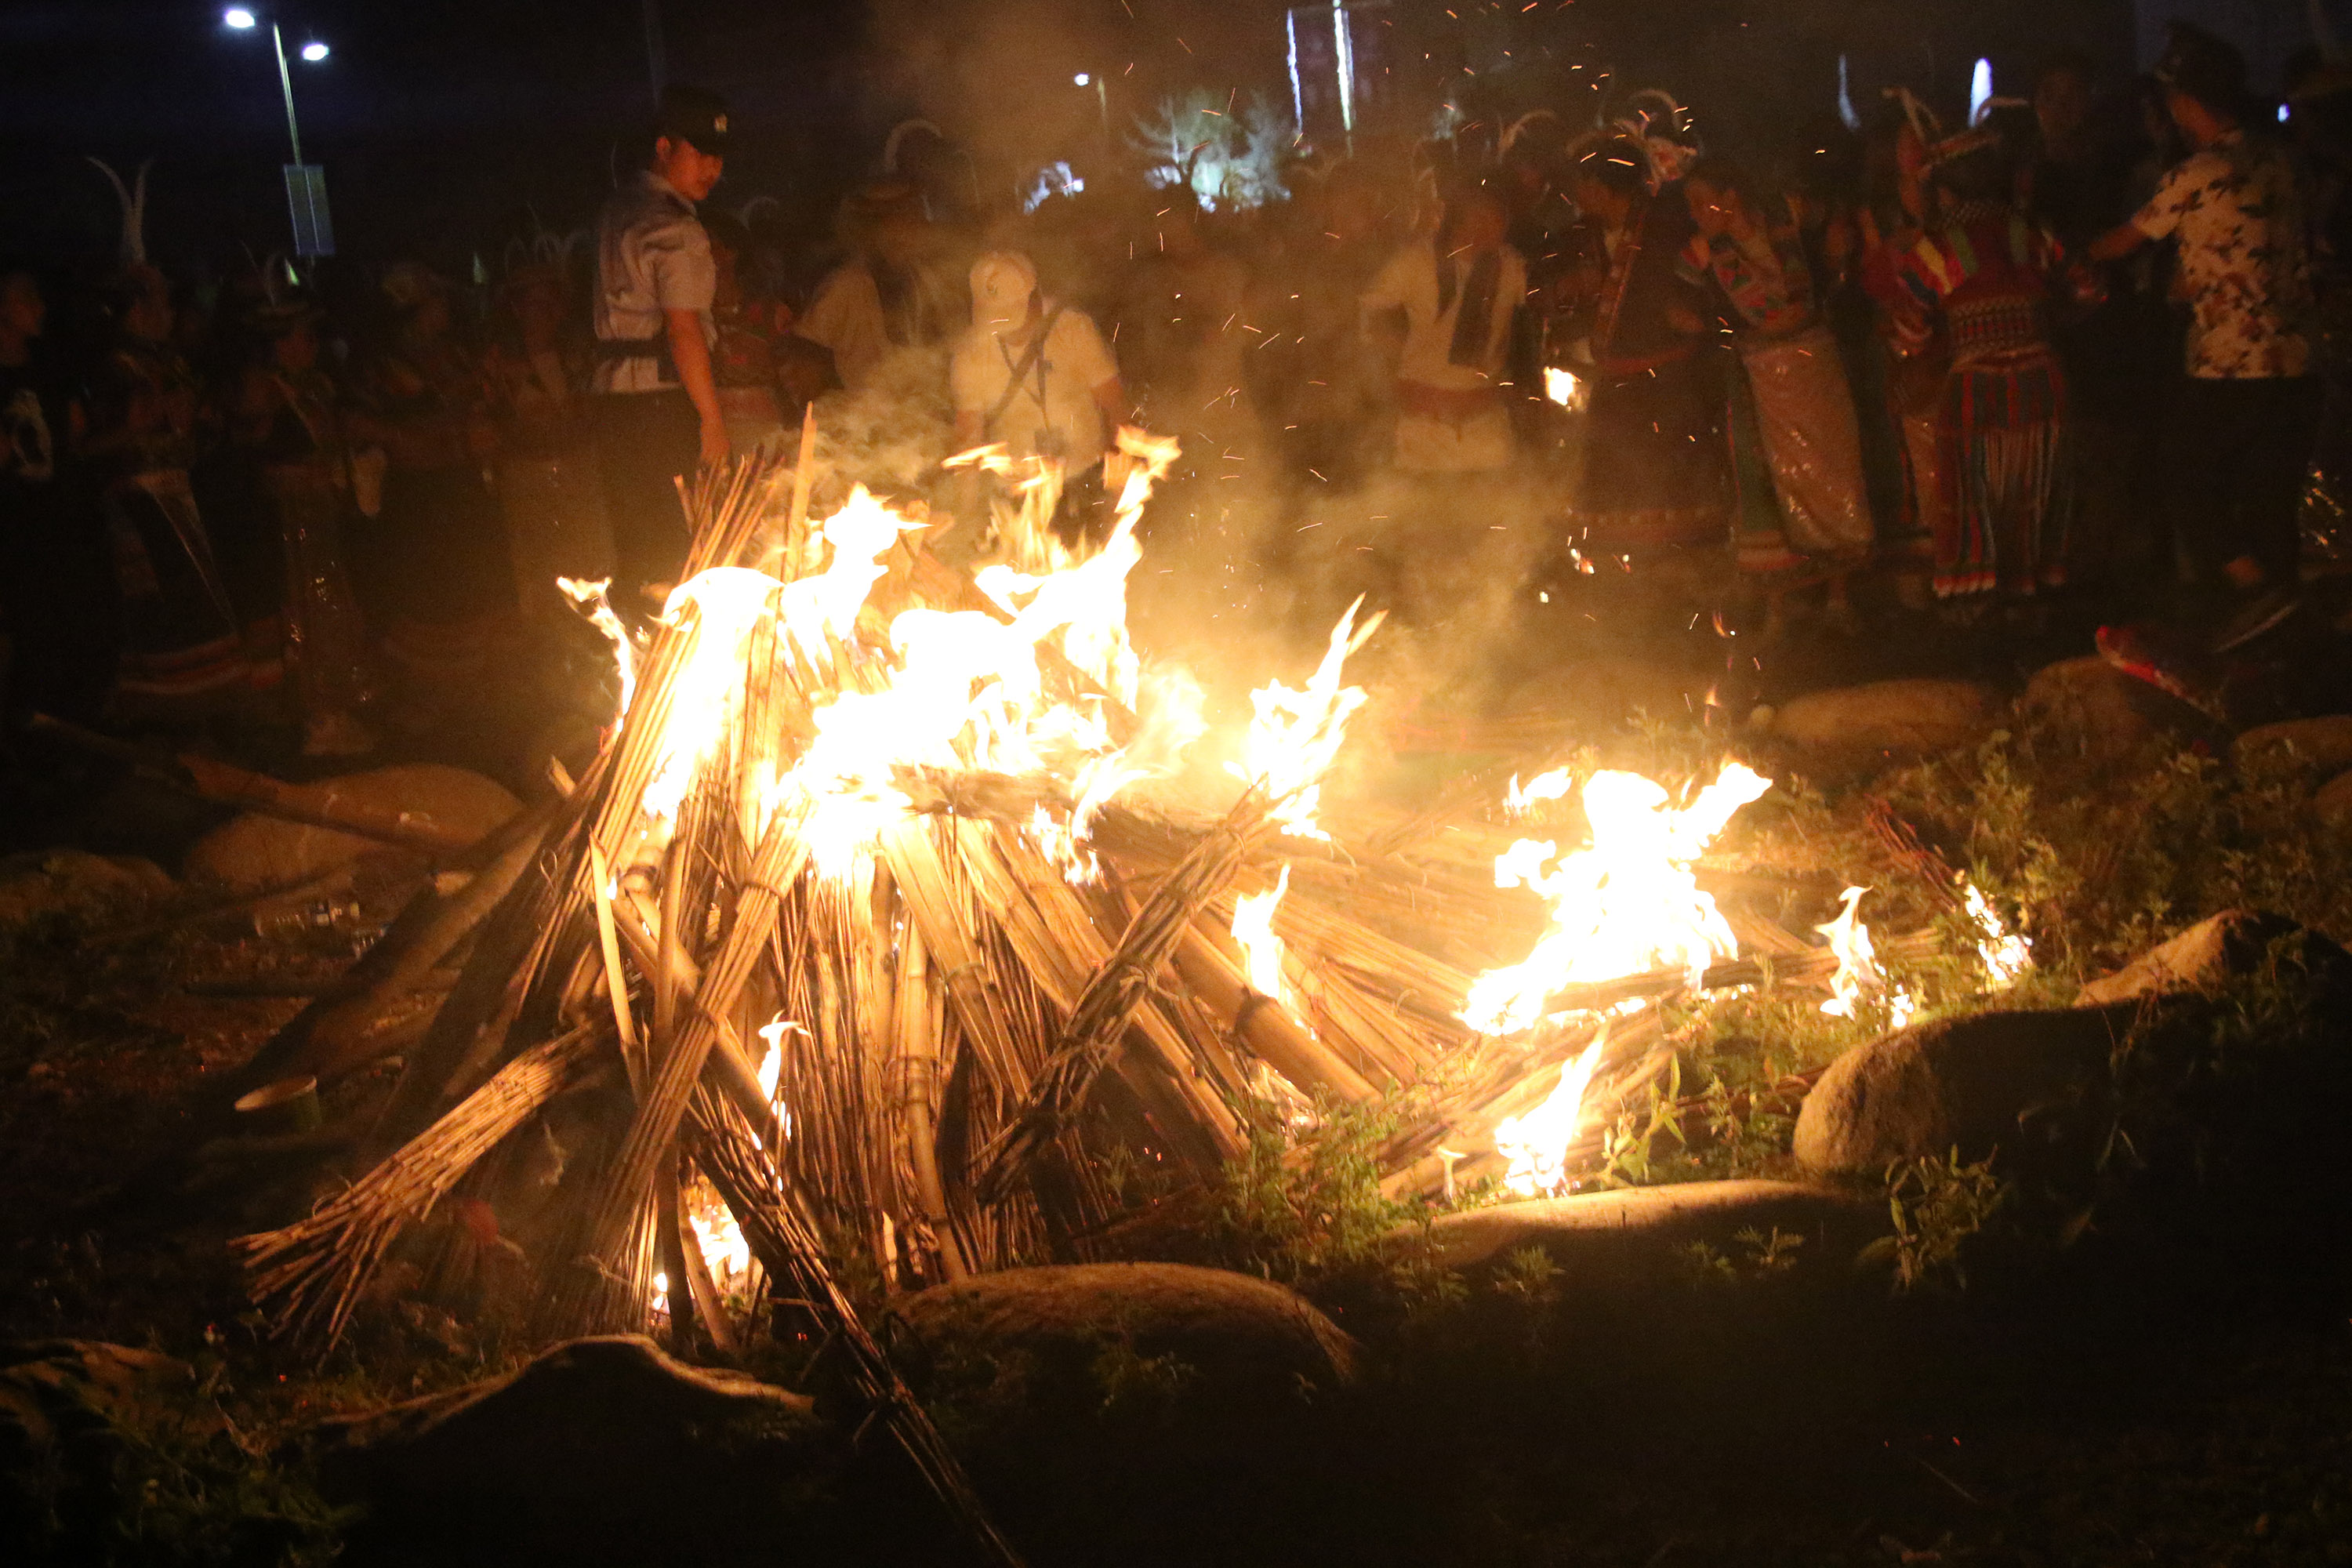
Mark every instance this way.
x=657 y=413
x=1037 y=377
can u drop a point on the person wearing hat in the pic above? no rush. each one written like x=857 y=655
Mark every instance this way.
x=656 y=413
x=885 y=296
x=2246 y=416
x=1036 y=377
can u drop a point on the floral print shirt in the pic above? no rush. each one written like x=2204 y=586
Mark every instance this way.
x=2245 y=267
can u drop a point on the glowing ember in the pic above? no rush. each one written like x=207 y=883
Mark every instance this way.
x=1626 y=904
x=1858 y=975
x=1294 y=735
x=1561 y=386
x=1254 y=929
x=1536 y=1144
x=2006 y=955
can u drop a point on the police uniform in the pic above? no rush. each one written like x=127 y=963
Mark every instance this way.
x=652 y=256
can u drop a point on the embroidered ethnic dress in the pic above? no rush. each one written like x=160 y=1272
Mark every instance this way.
x=1983 y=279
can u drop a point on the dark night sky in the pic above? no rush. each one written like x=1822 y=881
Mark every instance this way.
x=446 y=123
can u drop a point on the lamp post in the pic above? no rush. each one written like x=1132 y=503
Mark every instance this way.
x=306 y=183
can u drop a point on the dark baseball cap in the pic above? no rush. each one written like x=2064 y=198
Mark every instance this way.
x=696 y=115
x=2202 y=65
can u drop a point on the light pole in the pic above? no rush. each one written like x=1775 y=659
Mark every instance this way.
x=306 y=183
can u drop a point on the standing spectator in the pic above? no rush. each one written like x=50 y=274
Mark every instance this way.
x=2246 y=419
x=437 y=557
x=1979 y=281
x=1037 y=377
x=888 y=295
x=288 y=421
x=548 y=493
x=1654 y=475
x=148 y=424
x=1804 y=411
x=56 y=594
x=657 y=414
x=1460 y=296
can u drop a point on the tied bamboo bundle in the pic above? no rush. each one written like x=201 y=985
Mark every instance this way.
x=316 y=1267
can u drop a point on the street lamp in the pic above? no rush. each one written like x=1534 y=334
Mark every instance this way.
x=306 y=183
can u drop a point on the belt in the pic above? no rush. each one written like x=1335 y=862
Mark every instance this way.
x=655 y=348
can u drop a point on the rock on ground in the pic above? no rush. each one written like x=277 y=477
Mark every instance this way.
x=2229 y=946
x=2105 y=716
x=2333 y=804
x=1233 y=1335
x=1993 y=1080
x=2321 y=747
x=1636 y=1240
x=77 y=883
x=253 y=850
x=1902 y=718
x=602 y=1450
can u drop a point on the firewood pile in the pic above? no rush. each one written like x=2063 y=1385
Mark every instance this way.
x=866 y=919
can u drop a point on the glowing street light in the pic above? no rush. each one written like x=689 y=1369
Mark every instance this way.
x=306 y=183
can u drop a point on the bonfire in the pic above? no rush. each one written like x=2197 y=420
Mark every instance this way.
x=876 y=927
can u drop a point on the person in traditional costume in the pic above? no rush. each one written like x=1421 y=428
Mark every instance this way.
x=1654 y=470
x=551 y=493
x=1980 y=283
x=57 y=606
x=149 y=423
x=1460 y=295
x=1752 y=257
x=287 y=420
x=439 y=553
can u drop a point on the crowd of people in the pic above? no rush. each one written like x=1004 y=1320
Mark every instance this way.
x=2077 y=341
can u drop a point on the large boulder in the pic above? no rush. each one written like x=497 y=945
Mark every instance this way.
x=1978 y=1084
x=255 y=851
x=2321 y=747
x=2213 y=953
x=600 y=1450
x=2102 y=715
x=1227 y=1336
x=1901 y=719
x=1637 y=1241
x=1142 y=1413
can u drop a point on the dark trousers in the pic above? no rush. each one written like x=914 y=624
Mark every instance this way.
x=2239 y=449
x=646 y=442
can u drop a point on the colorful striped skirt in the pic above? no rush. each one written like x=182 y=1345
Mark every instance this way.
x=2003 y=526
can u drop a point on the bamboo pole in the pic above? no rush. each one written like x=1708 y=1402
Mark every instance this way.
x=583 y=1298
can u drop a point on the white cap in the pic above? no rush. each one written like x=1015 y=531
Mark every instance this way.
x=1002 y=282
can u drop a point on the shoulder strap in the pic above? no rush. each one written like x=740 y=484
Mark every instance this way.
x=1020 y=372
